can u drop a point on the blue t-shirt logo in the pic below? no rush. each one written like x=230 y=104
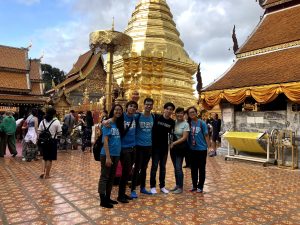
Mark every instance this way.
x=114 y=140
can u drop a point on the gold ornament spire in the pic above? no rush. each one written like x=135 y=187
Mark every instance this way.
x=157 y=57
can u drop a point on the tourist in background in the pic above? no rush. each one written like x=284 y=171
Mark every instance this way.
x=104 y=115
x=216 y=128
x=199 y=143
x=49 y=148
x=179 y=148
x=162 y=130
x=87 y=131
x=110 y=155
x=67 y=127
x=8 y=128
x=29 y=143
x=144 y=125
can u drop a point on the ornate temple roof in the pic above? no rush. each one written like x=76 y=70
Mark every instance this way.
x=154 y=32
x=275 y=28
x=270 y=68
x=20 y=78
x=80 y=63
x=267 y=64
x=271 y=3
x=22 y=99
x=35 y=70
x=12 y=81
x=14 y=58
x=81 y=69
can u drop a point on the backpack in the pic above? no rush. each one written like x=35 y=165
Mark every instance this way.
x=45 y=136
x=97 y=148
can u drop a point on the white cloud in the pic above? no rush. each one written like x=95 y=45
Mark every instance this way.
x=205 y=28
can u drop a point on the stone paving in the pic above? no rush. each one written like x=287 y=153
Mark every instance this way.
x=235 y=192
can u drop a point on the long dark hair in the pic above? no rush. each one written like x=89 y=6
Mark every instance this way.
x=120 y=120
x=187 y=111
x=89 y=119
x=50 y=114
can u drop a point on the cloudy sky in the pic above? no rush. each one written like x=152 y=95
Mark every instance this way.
x=60 y=28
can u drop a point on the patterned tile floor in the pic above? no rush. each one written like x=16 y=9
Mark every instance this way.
x=235 y=193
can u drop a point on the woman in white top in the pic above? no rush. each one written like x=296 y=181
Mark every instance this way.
x=49 y=148
x=179 y=148
x=30 y=140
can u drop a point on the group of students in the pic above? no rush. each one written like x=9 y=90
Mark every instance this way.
x=134 y=137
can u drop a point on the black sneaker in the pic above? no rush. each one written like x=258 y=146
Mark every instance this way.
x=122 y=200
x=14 y=155
x=106 y=205
x=112 y=201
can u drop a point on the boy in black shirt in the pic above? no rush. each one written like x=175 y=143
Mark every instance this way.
x=162 y=129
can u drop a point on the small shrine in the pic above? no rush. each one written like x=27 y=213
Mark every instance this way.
x=85 y=84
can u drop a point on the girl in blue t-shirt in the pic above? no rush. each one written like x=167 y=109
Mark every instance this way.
x=198 y=142
x=110 y=155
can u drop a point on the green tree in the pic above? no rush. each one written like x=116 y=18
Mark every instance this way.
x=52 y=73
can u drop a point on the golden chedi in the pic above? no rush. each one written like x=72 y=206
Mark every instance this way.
x=157 y=66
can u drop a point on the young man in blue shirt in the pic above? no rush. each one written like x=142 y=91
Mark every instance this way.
x=144 y=125
x=128 y=149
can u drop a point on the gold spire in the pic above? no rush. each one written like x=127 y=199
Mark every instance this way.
x=157 y=56
x=153 y=30
x=113 y=24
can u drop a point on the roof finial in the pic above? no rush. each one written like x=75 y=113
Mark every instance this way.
x=235 y=41
x=30 y=45
x=42 y=56
x=113 y=24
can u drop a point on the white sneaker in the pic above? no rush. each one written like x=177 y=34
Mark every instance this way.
x=153 y=190
x=23 y=159
x=164 y=190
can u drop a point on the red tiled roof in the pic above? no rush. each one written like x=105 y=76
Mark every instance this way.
x=14 y=58
x=276 y=28
x=35 y=88
x=81 y=62
x=271 y=68
x=22 y=99
x=35 y=70
x=67 y=81
x=11 y=80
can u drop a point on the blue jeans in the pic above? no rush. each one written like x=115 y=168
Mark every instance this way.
x=177 y=160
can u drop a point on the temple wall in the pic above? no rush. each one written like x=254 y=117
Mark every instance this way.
x=248 y=121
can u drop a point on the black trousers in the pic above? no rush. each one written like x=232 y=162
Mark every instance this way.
x=198 y=164
x=107 y=175
x=143 y=155
x=127 y=159
x=159 y=157
x=187 y=156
